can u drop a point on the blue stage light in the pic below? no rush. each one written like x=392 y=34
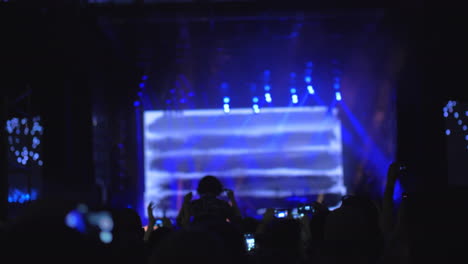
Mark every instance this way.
x=446 y=114
x=307 y=79
x=268 y=98
x=447 y=132
x=310 y=88
x=466 y=137
x=267 y=87
x=266 y=72
x=142 y=85
x=293 y=90
x=295 y=99
x=336 y=86
x=460 y=122
x=136 y=103
x=338 y=96
x=464 y=128
x=144 y=77
x=226 y=100
x=466 y=113
x=455 y=114
x=226 y=108
x=255 y=108
x=255 y=99
x=293 y=75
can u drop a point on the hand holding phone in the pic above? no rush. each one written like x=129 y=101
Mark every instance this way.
x=249 y=241
x=281 y=213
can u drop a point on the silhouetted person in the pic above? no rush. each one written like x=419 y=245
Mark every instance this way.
x=352 y=233
x=208 y=208
x=127 y=245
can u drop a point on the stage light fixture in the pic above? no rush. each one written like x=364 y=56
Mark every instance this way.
x=144 y=77
x=295 y=99
x=142 y=85
x=293 y=90
x=307 y=79
x=446 y=114
x=310 y=88
x=40 y=163
x=136 y=103
x=460 y=122
x=338 y=96
x=226 y=108
x=255 y=108
x=226 y=100
x=255 y=100
x=455 y=114
x=268 y=98
x=336 y=86
x=447 y=132
x=267 y=87
x=464 y=128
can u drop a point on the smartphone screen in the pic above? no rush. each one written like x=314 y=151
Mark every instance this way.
x=280 y=213
x=249 y=241
x=159 y=223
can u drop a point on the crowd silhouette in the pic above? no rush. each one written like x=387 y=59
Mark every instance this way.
x=211 y=230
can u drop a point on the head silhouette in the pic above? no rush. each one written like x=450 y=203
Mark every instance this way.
x=209 y=185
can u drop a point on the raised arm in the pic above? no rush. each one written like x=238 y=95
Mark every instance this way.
x=386 y=217
x=183 y=219
x=268 y=216
x=232 y=200
x=151 y=221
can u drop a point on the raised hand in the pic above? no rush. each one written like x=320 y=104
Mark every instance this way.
x=188 y=197
x=230 y=195
x=269 y=215
x=393 y=172
x=150 y=209
x=151 y=221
